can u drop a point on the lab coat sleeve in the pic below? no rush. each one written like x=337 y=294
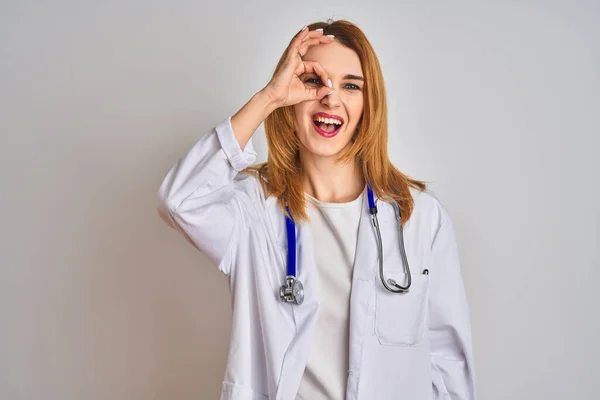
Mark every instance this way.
x=453 y=375
x=198 y=195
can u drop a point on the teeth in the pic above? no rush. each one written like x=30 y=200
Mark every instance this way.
x=328 y=120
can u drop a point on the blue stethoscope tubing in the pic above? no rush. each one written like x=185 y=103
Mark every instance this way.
x=292 y=290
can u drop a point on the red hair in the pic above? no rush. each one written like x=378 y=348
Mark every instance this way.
x=281 y=176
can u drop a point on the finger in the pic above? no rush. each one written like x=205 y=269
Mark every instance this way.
x=314 y=34
x=302 y=34
x=316 y=68
x=299 y=37
x=318 y=93
x=305 y=35
x=303 y=48
x=292 y=49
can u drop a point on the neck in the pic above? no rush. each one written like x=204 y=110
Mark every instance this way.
x=331 y=182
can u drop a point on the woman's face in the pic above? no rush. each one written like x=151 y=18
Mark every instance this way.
x=318 y=121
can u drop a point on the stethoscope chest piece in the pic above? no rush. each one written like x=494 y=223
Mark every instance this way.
x=292 y=291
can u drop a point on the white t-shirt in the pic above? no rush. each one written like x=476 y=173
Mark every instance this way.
x=334 y=229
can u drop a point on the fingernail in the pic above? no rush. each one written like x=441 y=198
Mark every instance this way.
x=303 y=28
x=331 y=36
x=329 y=83
x=319 y=30
x=330 y=93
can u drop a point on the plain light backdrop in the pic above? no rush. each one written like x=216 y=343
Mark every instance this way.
x=495 y=103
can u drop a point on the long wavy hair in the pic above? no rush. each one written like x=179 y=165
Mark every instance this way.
x=281 y=175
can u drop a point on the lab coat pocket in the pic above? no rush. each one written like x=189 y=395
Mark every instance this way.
x=400 y=318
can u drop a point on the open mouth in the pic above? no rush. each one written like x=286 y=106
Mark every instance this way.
x=327 y=125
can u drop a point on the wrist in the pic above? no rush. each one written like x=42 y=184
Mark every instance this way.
x=267 y=102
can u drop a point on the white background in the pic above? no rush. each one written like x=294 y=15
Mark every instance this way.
x=496 y=104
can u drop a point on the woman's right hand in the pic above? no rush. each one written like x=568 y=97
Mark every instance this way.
x=286 y=88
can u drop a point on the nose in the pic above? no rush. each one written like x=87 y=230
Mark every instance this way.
x=331 y=100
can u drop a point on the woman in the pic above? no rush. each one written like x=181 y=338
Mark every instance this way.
x=353 y=334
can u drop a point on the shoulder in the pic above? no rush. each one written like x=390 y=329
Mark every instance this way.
x=265 y=209
x=247 y=185
x=429 y=211
x=250 y=186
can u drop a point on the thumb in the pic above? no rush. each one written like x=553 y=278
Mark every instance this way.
x=319 y=93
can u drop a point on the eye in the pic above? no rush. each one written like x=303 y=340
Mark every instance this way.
x=352 y=86
x=314 y=81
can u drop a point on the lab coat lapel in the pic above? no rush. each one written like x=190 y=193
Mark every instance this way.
x=366 y=245
x=305 y=317
x=307 y=273
x=361 y=297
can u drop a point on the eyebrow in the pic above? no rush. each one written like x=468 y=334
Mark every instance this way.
x=355 y=77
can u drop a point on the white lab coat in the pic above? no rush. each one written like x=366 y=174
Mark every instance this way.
x=413 y=346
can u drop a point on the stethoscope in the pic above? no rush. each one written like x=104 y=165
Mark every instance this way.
x=292 y=290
